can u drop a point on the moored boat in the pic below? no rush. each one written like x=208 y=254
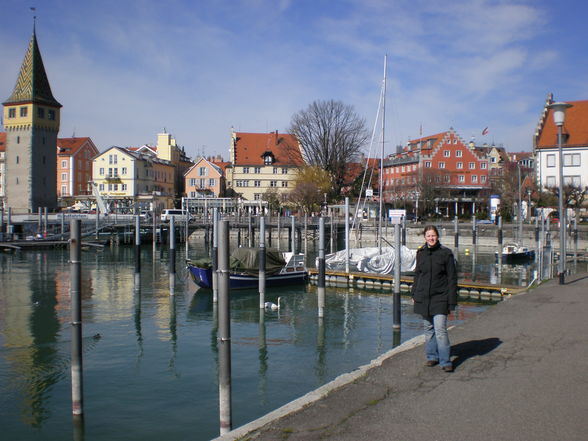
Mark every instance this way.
x=281 y=269
x=515 y=253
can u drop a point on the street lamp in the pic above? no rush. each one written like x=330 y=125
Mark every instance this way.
x=559 y=115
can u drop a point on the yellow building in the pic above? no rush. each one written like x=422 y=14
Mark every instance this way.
x=262 y=161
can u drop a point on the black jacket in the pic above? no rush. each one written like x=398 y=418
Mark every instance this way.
x=435 y=282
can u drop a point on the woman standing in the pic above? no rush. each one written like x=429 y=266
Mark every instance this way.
x=434 y=292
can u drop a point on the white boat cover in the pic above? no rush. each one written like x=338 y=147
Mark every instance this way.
x=370 y=260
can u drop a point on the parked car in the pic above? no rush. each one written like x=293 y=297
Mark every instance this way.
x=484 y=221
x=177 y=214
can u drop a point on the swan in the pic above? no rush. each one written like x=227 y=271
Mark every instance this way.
x=273 y=306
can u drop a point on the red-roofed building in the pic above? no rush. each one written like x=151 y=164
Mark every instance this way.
x=441 y=167
x=574 y=146
x=74 y=166
x=262 y=161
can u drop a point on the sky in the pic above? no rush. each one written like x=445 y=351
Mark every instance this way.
x=127 y=70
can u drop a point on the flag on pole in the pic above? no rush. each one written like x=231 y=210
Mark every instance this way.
x=485 y=131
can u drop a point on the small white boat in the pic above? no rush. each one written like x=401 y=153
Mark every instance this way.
x=515 y=253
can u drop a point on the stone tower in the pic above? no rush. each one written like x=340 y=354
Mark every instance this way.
x=31 y=120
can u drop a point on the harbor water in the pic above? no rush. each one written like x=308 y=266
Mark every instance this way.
x=150 y=357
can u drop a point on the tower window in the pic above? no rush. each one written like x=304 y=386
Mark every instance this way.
x=51 y=114
x=12 y=112
x=18 y=139
x=17 y=159
x=41 y=112
x=24 y=112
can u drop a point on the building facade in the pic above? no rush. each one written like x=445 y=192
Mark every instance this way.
x=31 y=120
x=574 y=147
x=439 y=167
x=261 y=162
x=204 y=179
x=74 y=167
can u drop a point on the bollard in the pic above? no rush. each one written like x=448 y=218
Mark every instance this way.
x=321 y=269
x=397 y=245
x=456 y=231
x=347 y=235
x=137 y=244
x=187 y=232
x=172 y=250
x=473 y=230
x=224 y=330
x=75 y=252
x=403 y=231
x=279 y=232
x=500 y=234
x=262 y=256
x=214 y=256
x=293 y=235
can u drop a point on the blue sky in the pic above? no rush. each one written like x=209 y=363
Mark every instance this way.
x=125 y=70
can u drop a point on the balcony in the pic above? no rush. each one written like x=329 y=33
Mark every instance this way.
x=113 y=178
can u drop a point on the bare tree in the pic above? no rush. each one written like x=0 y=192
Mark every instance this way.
x=331 y=135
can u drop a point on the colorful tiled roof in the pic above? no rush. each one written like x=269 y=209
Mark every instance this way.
x=32 y=84
x=250 y=148
x=575 y=127
x=69 y=146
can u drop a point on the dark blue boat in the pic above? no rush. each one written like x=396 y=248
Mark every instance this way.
x=515 y=253
x=281 y=269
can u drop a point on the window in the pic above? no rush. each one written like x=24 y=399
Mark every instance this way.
x=115 y=187
x=203 y=171
x=63 y=164
x=124 y=187
x=284 y=171
x=483 y=165
x=202 y=183
x=192 y=182
x=257 y=196
x=441 y=165
x=64 y=176
x=402 y=170
x=458 y=153
x=428 y=164
x=63 y=190
x=574 y=181
x=483 y=179
x=284 y=183
x=245 y=169
x=472 y=165
x=461 y=178
x=273 y=183
x=257 y=170
x=460 y=165
x=24 y=112
x=211 y=182
x=109 y=187
x=101 y=187
x=51 y=114
x=571 y=160
x=474 y=179
x=446 y=153
x=267 y=160
x=12 y=112
x=275 y=170
x=192 y=194
x=447 y=178
x=257 y=183
x=124 y=170
x=112 y=159
x=550 y=160
x=40 y=112
x=550 y=181
x=17 y=159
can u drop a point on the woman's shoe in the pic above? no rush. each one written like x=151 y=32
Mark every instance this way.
x=431 y=363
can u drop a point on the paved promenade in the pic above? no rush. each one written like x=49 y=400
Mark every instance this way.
x=521 y=374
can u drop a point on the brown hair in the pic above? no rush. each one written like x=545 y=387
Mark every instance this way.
x=429 y=228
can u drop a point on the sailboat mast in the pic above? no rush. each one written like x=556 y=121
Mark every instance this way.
x=381 y=213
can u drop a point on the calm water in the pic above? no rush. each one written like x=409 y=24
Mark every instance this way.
x=150 y=359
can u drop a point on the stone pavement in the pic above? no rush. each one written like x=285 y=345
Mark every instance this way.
x=521 y=374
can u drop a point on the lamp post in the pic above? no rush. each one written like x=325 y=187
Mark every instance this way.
x=559 y=114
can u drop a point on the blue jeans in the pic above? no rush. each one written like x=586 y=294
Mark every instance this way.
x=437 y=346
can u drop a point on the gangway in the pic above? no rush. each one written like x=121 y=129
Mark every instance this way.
x=99 y=200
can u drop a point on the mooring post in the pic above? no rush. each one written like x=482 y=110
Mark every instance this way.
x=137 y=244
x=500 y=233
x=397 y=247
x=1 y=223
x=214 y=256
x=62 y=215
x=154 y=227
x=75 y=265
x=474 y=230
x=45 y=220
x=187 y=230
x=456 y=231
x=321 y=269
x=172 y=251
x=262 y=257
x=403 y=230
x=305 y=237
x=224 y=330
x=279 y=231
x=347 y=235
x=9 y=226
x=40 y=220
x=293 y=235
x=250 y=230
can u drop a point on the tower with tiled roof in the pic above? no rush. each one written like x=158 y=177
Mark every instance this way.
x=31 y=120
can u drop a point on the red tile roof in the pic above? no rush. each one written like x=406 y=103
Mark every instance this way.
x=250 y=147
x=68 y=146
x=575 y=126
x=2 y=141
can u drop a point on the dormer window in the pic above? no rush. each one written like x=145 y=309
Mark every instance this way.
x=268 y=159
